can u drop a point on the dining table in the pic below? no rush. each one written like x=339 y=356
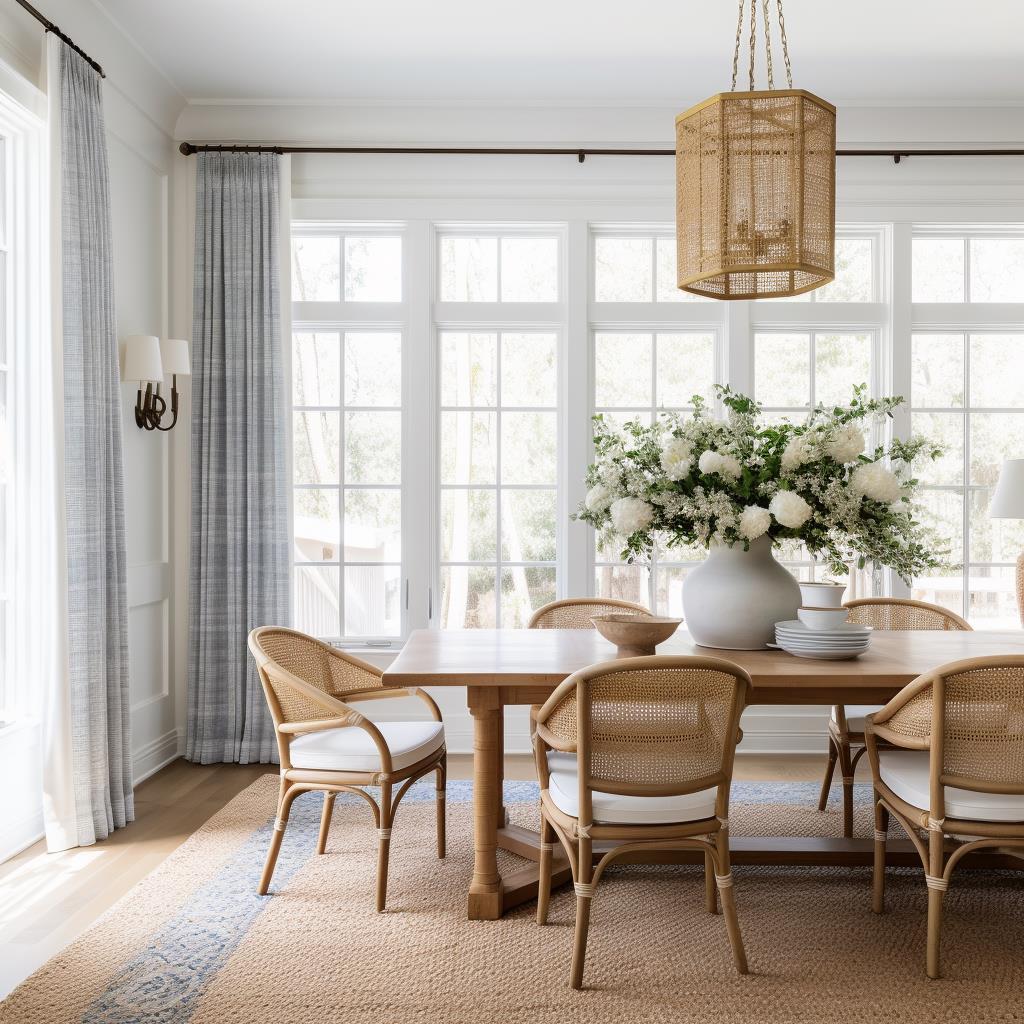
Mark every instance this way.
x=502 y=667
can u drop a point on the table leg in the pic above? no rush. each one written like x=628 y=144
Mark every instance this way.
x=485 y=890
x=501 y=818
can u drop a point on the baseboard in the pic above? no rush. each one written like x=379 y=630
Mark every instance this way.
x=151 y=757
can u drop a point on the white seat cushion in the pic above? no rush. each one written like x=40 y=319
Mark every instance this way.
x=905 y=772
x=350 y=749
x=855 y=715
x=611 y=808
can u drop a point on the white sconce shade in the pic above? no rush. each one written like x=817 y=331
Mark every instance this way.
x=142 y=358
x=174 y=354
x=1008 y=501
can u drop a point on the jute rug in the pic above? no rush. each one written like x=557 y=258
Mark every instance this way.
x=192 y=942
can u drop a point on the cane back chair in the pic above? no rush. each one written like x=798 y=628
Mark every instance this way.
x=326 y=746
x=575 y=612
x=952 y=765
x=639 y=753
x=846 y=725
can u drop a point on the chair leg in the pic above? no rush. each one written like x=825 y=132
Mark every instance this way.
x=383 y=846
x=830 y=769
x=584 y=894
x=878 y=875
x=284 y=805
x=710 y=887
x=936 y=892
x=725 y=888
x=439 y=804
x=325 y=821
x=547 y=838
x=846 y=767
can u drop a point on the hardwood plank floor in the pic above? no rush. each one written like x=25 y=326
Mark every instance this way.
x=48 y=900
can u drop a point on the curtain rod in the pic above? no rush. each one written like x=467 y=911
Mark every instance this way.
x=50 y=27
x=189 y=148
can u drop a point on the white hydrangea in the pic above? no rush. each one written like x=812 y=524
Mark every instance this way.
x=796 y=453
x=598 y=498
x=677 y=458
x=630 y=515
x=726 y=466
x=754 y=522
x=846 y=443
x=789 y=509
x=875 y=481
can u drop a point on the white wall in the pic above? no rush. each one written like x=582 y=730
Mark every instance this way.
x=141 y=107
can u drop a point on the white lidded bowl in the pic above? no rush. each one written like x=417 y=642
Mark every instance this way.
x=822 y=595
x=822 y=618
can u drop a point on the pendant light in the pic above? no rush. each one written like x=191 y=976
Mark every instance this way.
x=755 y=185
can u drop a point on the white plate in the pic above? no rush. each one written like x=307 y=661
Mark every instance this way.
x=821 y=655
x=822 y=643
x=844 y=629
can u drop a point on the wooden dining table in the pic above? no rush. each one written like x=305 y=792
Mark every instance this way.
x=503 y=667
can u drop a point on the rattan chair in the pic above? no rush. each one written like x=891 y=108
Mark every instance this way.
x=846 y=726
x=575 y=612
x=638 y=753
x=952 y=765
x=329 y=747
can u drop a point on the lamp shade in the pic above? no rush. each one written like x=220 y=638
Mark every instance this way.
x=142 y=358
x=174 y=353
x=1008 y=501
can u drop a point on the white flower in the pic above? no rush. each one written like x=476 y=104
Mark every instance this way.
x=726 y=466
x=846 y=444
x=796 y=453
x=630 y=515
x=789 y=509
x=677 y=458
x=754 y=521
x=598 y=498
x=873 y=480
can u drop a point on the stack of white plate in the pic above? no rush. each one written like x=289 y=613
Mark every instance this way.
x=847 y=640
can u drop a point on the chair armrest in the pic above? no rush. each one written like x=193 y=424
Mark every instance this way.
x=398 y=691
x=320 y=725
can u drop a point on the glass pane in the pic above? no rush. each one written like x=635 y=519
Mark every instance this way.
x=937 y=370
x=315 y=447
x=995 y=370
x=993 y=599
x=782 y=369
x=317 y=524
x=373 y=447
x=994 y=437
x=529 y=369
x=669 y=591
x=686 y=366
x=624 y=582
x=943 y=512
x=622 y=370
x=469 y=270
x=855 y=273
x=373 y=526
x=373 y=368
x=997 y=269
x=373 y=600
x=316 y=269
x=946 y=428
x=373 y=269
x=317 y=600
x=529 y=270
x=668 y=289
x=941 y=588
x=617 y=420
x=938 y=270
x=469 y=447
x=468 y=526
x=468 y=369
x=529 y=448
x=841 y=361
x=993 y=540
x=316 y=369
x=523 y=590
x=468 y=600
x=622 y=270
x=528 y=524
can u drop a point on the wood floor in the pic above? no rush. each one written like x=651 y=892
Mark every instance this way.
x=47 y=900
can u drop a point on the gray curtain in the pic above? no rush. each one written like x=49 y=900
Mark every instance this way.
x=239 y=574
x=93 y=470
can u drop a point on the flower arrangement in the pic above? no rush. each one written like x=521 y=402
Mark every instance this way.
x=704 y=481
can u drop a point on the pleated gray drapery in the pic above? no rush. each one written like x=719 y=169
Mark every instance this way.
x=97 y=597
x=239 y=574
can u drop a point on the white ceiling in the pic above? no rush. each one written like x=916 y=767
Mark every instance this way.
x=600 y=51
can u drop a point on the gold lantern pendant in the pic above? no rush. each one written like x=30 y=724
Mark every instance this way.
x=755 y=186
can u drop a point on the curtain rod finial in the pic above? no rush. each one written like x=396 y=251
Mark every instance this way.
x=186 y=149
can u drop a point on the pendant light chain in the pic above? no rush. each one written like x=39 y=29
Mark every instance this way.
x=736 y=49
x=785 y=46
x=767 y=44
x=753 y=39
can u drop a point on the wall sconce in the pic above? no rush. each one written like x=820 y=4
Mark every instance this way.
x=148 y=360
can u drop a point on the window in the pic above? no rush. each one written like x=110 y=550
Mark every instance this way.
x=490 y=268
x=5 y=412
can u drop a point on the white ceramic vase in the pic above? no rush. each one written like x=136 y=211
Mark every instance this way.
x=733 y=599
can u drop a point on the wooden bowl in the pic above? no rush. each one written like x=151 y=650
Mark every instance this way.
x=634 y=635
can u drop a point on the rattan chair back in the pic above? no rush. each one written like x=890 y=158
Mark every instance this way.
x=576 y=612
x=903 y=613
